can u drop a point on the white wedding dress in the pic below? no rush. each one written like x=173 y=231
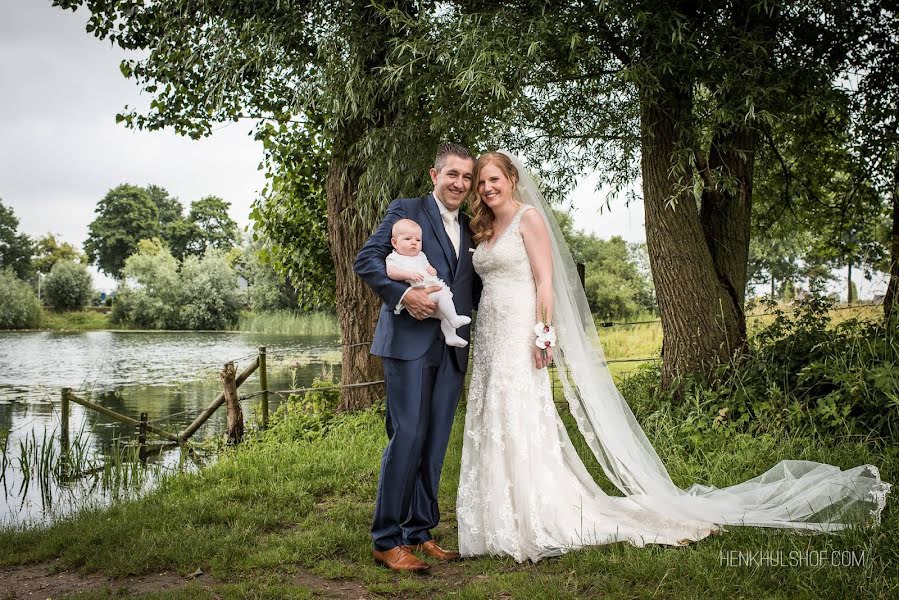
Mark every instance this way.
x=524 y=491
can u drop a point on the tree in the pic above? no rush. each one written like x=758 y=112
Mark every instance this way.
x=680 y=92
x=614 y=284
x=210 y=298
x=148 y=296
x=68 y=287
x=48 y=250
x=125 y=216
x=211 y=226
x=322 y=66
x=291 y=219
x=267 y=288
x=167 y=207
x=15 y=248
x=19 y=307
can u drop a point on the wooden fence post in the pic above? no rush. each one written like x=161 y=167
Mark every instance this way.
x=142 y=438
x=65 y=411
x=219 y=400
x=235 y=414
x=263 y=385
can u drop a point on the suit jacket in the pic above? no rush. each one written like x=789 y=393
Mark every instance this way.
x=402 y=336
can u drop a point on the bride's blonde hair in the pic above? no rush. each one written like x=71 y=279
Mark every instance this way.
x=482 y=216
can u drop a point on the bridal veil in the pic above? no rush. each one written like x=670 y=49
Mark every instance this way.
x=797 y=494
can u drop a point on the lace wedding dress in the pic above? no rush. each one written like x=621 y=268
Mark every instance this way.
x=524 y=491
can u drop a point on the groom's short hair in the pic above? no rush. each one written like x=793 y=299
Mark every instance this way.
x=447 y=149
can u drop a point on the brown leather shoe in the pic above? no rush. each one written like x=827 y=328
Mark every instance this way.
x=431 y=549
x=399 y=558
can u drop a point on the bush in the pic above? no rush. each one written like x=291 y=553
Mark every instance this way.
x=210 y=298
x=307 y=417
x=149 y=295
x=19 y=306
x=68 y=286
x=799 y=373
x=155 y=295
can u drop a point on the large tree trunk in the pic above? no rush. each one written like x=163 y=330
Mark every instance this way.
x=891 y=300
x=726 y=215
x=700 y=322
x=357 y=306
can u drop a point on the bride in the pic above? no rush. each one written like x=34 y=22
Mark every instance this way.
x=523 y=490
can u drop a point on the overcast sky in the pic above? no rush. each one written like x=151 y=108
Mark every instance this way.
x=61 y=149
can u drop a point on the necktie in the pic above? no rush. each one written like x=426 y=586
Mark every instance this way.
x=452 y=230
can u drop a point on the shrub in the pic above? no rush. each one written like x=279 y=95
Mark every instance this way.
x=148 y=296
x=799 y=373
x=19 y=306
x=210 y=298
x=68 y=286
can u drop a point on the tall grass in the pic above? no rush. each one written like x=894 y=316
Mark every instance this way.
x=288 y=322
x=74 y=471
x=76 y=320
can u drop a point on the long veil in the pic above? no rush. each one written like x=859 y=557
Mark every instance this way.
x=796 y=494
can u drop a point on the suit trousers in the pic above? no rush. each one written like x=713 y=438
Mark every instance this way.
x=422 y=395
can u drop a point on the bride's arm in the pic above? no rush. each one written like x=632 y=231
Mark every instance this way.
x=536 y=242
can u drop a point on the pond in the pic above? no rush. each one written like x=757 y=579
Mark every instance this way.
x=172 y=376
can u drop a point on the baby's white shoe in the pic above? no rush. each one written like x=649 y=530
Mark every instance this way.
x=450 y=336
x=459 y=321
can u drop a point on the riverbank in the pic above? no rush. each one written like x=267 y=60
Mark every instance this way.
x=282 y=322
x=287 y=516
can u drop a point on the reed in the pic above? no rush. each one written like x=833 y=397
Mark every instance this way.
x=286 y=322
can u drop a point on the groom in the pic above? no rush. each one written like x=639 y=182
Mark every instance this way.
x=422 y=374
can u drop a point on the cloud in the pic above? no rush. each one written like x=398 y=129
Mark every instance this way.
x=61 y=150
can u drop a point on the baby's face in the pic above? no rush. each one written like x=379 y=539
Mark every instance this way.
x=407 y=241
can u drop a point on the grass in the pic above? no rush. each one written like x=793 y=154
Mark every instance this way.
x=76 y=320
x=278 y=508
x=288 y=322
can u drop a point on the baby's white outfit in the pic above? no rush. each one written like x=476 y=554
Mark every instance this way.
x=446 y=310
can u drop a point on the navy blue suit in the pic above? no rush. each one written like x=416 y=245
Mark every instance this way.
x=423 y=375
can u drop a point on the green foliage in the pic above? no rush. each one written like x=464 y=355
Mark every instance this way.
x=125 y=216
x=15 y=248
x=83 y=320
x=19 y=306
x=149 y=295
x=309 y=416
x=267 y=289
x=68 y=287
x=48 y=251
x=291 y=219
x=209 y=296
x=156 y=295
x=616 y=285
x=800 y=374
x=213 y=227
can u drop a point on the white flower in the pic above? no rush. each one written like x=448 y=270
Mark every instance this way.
x=546 y=335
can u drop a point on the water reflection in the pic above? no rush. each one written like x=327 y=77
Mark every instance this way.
x=172 y=376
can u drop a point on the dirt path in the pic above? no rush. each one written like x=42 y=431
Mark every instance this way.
x=52 y=581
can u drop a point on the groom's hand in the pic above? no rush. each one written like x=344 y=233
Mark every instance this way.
x=419 y=304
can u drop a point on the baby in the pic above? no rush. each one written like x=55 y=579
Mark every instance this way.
x=408 y=263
